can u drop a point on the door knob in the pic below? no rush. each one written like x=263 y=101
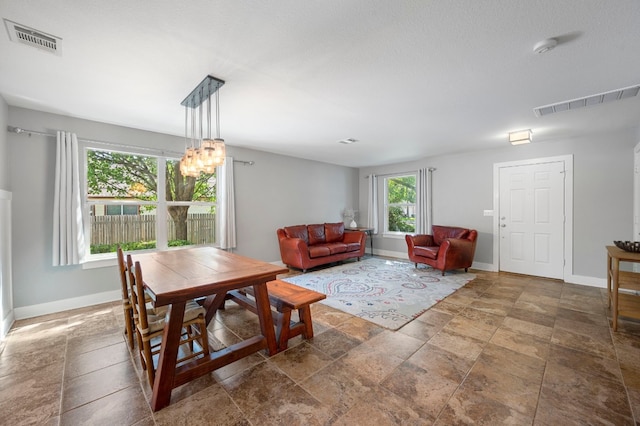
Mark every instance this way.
x=503 y=225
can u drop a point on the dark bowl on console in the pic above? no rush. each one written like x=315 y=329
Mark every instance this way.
x=630 y=246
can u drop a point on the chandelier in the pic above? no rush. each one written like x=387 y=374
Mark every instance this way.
x=202 y=154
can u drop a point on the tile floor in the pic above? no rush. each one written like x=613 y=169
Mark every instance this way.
x=504 y=349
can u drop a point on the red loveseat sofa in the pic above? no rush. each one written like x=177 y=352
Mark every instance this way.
x=307 y=246
x=448 y=248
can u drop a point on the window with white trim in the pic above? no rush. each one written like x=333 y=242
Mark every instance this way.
x=143 y=202
x=400 y=204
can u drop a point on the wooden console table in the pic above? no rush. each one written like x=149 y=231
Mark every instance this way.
x=624 y=304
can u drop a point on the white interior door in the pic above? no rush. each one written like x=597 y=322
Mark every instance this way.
x=531 y=219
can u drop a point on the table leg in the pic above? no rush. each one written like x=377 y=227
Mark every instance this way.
x=609 y=271
x=263 y=308
x=212 y=304
x=615 y=272
x=163 y=383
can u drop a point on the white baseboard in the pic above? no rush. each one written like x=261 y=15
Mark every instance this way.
x=7 y=322
x=589 y=281
x=66 y=304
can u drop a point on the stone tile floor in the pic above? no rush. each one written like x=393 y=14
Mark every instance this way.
x=504 y=349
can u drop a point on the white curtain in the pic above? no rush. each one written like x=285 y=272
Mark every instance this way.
x=424 y=206
x=226 y=215
x=68 y=230
x=372 y=217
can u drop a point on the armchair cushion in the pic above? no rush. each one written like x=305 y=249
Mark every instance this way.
x=430 y=252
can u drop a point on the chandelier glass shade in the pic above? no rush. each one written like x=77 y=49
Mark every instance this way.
x=202 y=153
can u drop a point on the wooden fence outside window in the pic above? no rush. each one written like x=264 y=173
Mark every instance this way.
x=134 y=228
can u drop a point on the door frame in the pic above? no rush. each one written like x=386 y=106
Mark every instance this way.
x=567 y=270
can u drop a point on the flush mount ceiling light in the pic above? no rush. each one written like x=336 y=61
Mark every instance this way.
x=545 y=45
x=202 y=154
x=520 y=137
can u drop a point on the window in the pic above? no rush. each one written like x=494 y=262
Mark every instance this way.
x=119 y=210
x=400 y=204
x=144 y=202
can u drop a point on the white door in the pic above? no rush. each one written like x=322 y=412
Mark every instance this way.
x=531 y=219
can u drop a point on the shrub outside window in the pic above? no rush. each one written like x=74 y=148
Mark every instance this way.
x=400 y=204
x=143 y=202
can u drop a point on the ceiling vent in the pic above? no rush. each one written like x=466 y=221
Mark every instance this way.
x=614 y=95
x=348 y=141
x=22 y=34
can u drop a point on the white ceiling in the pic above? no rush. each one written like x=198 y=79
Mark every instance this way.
x=408 y=79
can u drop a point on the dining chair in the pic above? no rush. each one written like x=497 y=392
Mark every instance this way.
x=126 y=298
x=130 y=319
x=150 y=326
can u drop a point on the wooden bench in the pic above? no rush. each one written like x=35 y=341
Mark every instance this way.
x=284 y=297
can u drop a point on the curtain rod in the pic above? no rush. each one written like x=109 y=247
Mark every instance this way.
x=18 y=130
x=431 y=169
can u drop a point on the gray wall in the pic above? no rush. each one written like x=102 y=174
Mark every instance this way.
x=603 y=193
x=6 y=309
x=274 y=192
x=4 y=160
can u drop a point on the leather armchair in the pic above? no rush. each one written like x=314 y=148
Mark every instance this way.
x=447 y=248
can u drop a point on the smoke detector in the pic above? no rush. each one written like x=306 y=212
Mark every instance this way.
x=35 y=38
x=545 y=45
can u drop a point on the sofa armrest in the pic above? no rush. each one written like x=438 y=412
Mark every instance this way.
x=293 y=251
x=354 y=237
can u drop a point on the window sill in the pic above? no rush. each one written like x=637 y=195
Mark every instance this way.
x=395 y=236
x=100 y=263
x=108 y=260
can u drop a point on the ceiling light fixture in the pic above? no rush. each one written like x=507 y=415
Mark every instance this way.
x=545 y=45
x=202 y=154
x=520 y=137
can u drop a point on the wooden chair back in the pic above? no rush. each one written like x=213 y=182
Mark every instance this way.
x=126 y=298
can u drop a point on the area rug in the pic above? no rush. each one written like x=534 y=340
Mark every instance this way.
x=389 y=293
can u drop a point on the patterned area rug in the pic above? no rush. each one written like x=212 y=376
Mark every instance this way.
x=389 y=293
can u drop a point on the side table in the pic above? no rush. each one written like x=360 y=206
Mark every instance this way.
x=368 y=231
x=624 y=304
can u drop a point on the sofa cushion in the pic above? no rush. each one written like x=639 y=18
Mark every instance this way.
x=335 y=248
x=319 y=251
x=441 y=233
x=316 y=234
x=334 y=232
x=428 y=252
x=297 y=231
x=353 y=246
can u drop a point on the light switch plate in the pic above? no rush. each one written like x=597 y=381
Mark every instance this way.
x=488 y=212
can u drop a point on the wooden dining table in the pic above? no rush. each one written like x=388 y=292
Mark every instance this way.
x=173 y=277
